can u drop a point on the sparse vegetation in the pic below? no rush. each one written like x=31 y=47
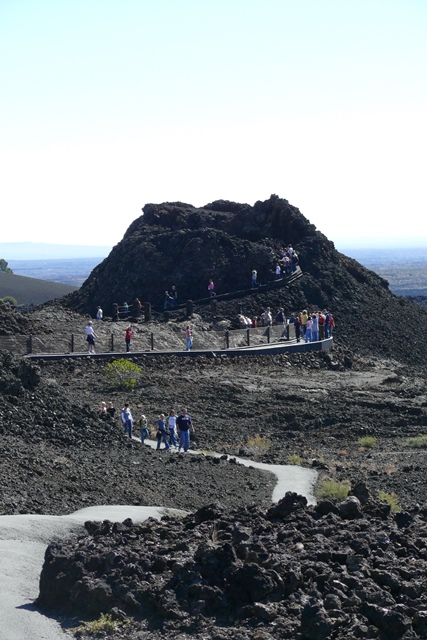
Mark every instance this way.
x=417 y=442
x=294 y=458
x=100 y=626
x=4 y=266
x=258 y=445
x=367 y=442
x=123 y=374
x=391 y=499
x=10 y=300
x=334 y=490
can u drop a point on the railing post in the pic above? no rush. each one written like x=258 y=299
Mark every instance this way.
x=214 y=307
x=152 y=341
x=147 y=311
x=287 y=332
x=30 y=344
x=268 y=334
x=112 y=342
x=248 y=337
x=227 y=339
x=72 y=343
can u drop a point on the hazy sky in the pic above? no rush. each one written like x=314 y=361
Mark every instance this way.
x=107 y=105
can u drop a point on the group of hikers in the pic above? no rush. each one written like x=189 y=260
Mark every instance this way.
x=315 y=326
x=173 y=431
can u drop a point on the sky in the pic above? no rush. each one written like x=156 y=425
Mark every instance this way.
x=109 y=105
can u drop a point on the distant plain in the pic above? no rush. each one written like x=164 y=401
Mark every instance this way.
x=405 y=269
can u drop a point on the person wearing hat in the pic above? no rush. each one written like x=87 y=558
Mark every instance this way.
x=143 y=428
x=90 y=337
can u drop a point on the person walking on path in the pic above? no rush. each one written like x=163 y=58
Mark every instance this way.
x=211 y=288
x=90 y=337
x=127 y=419
x=128 y=337
x=99 y=314
x=143 y=427
x=255 y=283
x=161 y=432
x=172 y=428
x=188 y=338
x=184 y=424
x=111 y=409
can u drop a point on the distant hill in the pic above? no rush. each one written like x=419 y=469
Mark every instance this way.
x=178 y=244
x=31 y=290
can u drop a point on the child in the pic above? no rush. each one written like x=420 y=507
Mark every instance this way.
x=143 y=428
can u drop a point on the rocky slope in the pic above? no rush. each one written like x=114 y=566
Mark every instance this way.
x=176 y=243
x=246 y=569
x=334 y=571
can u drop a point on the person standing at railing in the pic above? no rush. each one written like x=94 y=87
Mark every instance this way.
x=308 y=330
x=280 y=317
x=321 y=315
x=303 y=320
x=267 y=318
x=297 y=325
x=90 y=337
x=315 y=328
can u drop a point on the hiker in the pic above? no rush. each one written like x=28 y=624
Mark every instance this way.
x=128 y=337
x=99 y=314
x=308 y=330
x=267 y=319
x=184 y=423
x=143 y=428
x=172 y=428
x=188 y=338
x=278 y=273
x=211 y=288
x=90 y=337
x=111 y=409
x=169 y=301
x=161 y=432
x=174 y=294
x=254 y=279
x=102 y=409
x=127 y=419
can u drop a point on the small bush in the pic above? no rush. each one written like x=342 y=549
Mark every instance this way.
x=367 y=441
x=334 y=490
x=391 y=499
x=123 y=374
x=295 y=459
x=418 y=442
x=10 y=300
x=258 y=444
x=104 y=624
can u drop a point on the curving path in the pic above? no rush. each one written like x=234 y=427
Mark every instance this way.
x=24 y=538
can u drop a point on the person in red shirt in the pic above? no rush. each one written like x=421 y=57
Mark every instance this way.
x=128 y=337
